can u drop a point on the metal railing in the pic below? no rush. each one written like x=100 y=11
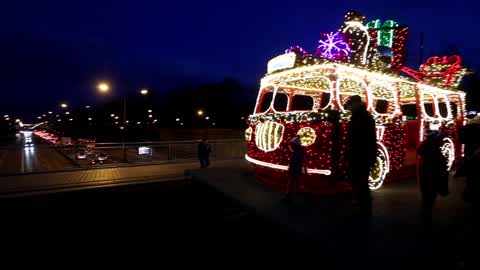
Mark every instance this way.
x=42 y=157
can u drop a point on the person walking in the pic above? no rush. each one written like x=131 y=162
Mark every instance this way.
x=295 y=169
x=432 y=174
x=362 y=151
x=204 y=151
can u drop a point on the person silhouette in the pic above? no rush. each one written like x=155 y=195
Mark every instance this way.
x=362 y=151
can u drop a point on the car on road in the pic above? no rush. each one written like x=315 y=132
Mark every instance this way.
x=81 y=155
x=100 y=158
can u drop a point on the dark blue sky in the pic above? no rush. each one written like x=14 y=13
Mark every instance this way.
x=58 y=50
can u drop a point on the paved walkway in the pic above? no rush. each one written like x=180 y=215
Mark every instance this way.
x=38 y=183
x=335 y=229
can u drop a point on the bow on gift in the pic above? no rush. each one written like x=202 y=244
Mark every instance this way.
x=385 y=32
x=443 y=71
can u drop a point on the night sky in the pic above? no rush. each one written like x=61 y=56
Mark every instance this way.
x=56 y=51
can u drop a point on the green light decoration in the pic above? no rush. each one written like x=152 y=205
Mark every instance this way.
x=385 y=31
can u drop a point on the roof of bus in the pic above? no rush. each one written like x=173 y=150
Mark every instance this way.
x=308 y=72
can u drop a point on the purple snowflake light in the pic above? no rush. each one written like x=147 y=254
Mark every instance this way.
x=333 y=47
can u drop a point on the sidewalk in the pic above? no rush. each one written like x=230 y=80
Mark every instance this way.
x=335 y=229
x=41 y=183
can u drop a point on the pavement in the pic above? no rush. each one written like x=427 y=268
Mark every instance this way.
x=50 y=182
x=336 y=232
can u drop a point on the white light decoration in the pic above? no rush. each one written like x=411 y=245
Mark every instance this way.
x=380 y=132
x=284 y=167
x=448 y=151
x=281 y=62
x=268 y=135
x=380 y=169
x=248 y=134
x=359 y=25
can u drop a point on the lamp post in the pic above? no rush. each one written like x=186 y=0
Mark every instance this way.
x=105 y=88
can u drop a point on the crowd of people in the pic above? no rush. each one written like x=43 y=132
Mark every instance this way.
x=432 y=169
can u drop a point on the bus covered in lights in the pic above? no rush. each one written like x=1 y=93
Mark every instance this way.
x=304 y=95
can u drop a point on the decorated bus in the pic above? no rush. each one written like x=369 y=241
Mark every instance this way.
x=304 y=94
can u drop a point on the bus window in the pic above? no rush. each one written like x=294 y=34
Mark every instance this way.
x=442 y=107
x=429 y=110
x=428 y=104
x=381 y=106
x=325 y=100
x=267 y=99
x=281 y=102
x=454 y=107
x=302 y=103
x=410 y=111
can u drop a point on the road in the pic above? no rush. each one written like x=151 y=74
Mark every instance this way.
x=17 y=158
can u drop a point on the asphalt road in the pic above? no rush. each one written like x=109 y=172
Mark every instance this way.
x=17 y=158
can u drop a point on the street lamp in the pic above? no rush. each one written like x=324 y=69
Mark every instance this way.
x=103 y=87
x=64 y=105
x=199 y=112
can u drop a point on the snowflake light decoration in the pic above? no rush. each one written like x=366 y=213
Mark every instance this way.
x=333 y=47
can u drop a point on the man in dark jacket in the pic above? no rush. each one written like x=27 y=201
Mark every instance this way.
x=361 y=152
x=204 y=153
x=432 y=174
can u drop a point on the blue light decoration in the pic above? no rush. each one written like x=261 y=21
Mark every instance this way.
x=296 y=49
x=333 y=47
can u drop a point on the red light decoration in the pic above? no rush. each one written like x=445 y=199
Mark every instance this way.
x=439 y=71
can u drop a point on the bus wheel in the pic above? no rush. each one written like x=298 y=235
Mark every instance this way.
x=380 y=169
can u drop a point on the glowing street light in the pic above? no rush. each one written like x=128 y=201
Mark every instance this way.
x=64 y=105
x=67 y=113
x=89 y=119
x=87 y=107
x=150 y=116
x=71 y=119
x=199 y=112
x=112 y=115
x=207 y=117
x=103 y=87
x=116 y=117
x=144 y=91
x=178 y=119
x=50 y=112
x=149 y=111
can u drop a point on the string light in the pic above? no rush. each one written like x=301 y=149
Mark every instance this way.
x=376 y=54
x=307 y=136
x=333 y=47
